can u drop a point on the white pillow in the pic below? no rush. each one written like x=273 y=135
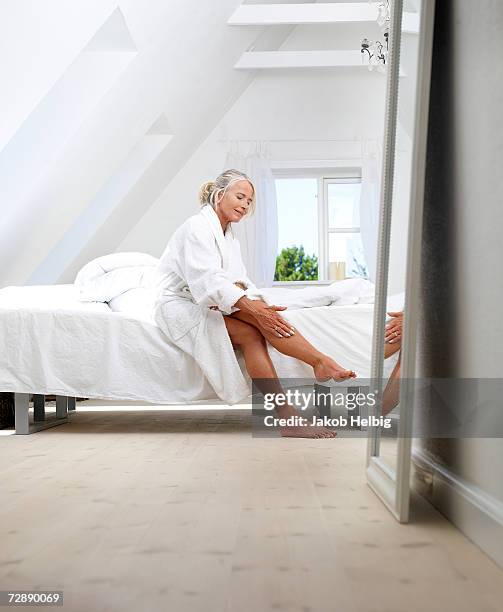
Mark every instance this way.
x=112 y=284
x=106 y=263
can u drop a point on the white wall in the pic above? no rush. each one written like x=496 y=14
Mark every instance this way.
x=38 y=41
x=461 y=333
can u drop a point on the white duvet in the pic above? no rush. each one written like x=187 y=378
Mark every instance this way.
x=55 y=343
x=126 y=281
x=108 y=277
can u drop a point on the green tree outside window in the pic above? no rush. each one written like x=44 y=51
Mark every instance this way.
x=292 y=264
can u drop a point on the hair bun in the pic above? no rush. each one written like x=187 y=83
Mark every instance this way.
x=205 y=192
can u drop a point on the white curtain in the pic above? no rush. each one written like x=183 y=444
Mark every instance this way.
x=369 y=203
x=258 y=234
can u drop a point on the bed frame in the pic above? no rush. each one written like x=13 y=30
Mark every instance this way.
x=23 y=425
x=64 y=406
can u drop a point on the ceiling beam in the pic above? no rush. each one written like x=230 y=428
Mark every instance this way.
x=297 y=14
x=276 y=14
x=299 y=59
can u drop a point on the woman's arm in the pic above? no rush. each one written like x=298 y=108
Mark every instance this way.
x=198 y=259
x=266 y=316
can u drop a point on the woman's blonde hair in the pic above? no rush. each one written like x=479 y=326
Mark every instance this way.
x=208 y=191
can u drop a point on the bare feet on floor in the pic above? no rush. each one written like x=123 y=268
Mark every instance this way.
x=301 y=431
x=307 y=431
x=327 y=368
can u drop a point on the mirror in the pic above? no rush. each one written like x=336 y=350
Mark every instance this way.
x=399 y=246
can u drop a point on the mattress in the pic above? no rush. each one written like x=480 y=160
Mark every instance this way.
x=55 y=344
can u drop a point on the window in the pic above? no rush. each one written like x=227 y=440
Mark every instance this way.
x=345 y=249
x=297 y=229
x=319 y=237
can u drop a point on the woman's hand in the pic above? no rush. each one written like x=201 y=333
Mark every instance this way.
x=394 y=328
x=270 y=321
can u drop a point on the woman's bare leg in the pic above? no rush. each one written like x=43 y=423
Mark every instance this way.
x=260 y=368
x=391 y=393
x=297 y=346
x=391 y=348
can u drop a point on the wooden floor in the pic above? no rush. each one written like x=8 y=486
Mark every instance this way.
x=186 y=511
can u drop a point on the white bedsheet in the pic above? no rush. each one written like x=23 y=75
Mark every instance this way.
x=53 y=343
x=339 y=293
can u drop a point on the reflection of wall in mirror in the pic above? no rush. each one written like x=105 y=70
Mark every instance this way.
x=400 y=213
x=403 y=160
x=407 y=84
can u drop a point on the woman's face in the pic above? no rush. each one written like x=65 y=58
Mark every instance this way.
x=234 y=205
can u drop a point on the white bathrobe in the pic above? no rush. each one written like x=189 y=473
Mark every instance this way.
x=198 y=270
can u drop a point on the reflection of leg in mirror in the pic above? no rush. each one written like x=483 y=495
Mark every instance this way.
x=392 y=391
x=393 y=343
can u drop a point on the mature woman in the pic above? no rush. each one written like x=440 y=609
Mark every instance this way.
x=208 y=306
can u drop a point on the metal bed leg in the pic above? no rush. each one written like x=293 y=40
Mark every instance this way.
x=39 y=408
x=72 y=403
x=22 y=414
x=61 y=406
x=356 y=411
x=322 y=402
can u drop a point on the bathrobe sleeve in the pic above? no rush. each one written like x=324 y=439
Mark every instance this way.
x=200 y=264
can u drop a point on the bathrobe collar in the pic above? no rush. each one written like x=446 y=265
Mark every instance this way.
x=222 y=239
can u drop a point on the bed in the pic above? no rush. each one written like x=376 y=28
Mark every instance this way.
x=56 y=344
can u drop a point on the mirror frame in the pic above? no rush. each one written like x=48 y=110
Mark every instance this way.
x=391 y=486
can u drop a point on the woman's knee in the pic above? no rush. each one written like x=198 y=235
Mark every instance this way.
x=247 y=319
x=251 y=335
x=242 y=333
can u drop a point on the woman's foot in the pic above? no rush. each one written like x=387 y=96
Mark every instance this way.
x=307 y=431
x=301 y=431
x=327 y=368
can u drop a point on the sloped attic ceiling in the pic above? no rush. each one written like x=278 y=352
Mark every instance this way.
x=164 y=64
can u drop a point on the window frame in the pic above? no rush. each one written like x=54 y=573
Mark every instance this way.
x=324 y=177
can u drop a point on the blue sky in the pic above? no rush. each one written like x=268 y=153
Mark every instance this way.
x=298 y=213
